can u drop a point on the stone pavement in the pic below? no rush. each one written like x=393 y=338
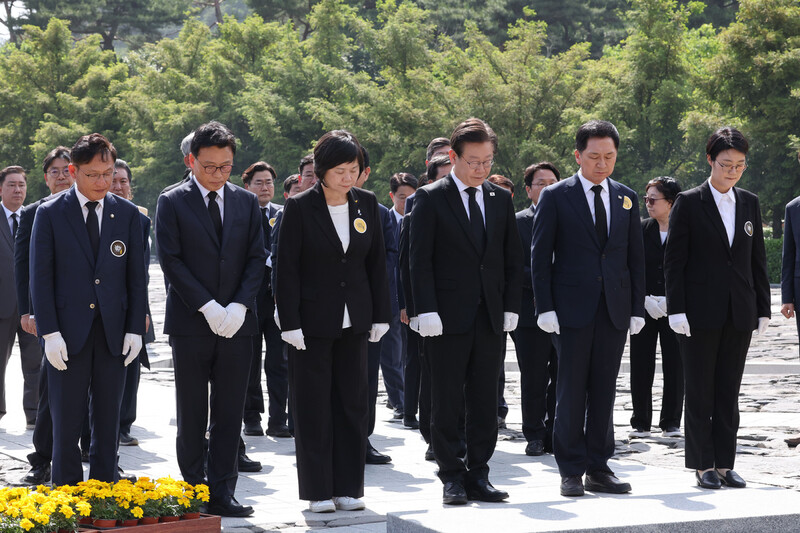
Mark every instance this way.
x=770 y=412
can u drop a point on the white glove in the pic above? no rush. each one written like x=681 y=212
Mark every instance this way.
x=651 y=305
x=234 y=318
x=275 y=316
x=56 y=350
x=662 y=304
x=637 y=323
x=680 y=324
x=377 y=331
x=548 y=322
x=430 y=325
x=510 y=321
x=131 y=347
x=413 y=323
x=763 y=324
x=215 y=315
x=295 y=338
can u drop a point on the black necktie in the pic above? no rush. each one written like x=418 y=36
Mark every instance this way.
x=600 y=224
x=213 y=211
x=266 y=227
x=476 y=219
x=92 y=227
x=14 y=223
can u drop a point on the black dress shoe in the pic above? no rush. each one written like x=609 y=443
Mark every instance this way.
x=125 y=439
x=732 y=479
x=600 y=481
x=397 y=414
x=123 y=475
x=483 y=491
x=247 y=465
x=429 y=456
x=411 y=422
x=229 y=507
x=253 y=429
x=709 y=480
x=39 y=475
x=374 y=457
x=454 y=493
x=535 y=448
x=571 y=486
x=279 y=431
x=501 y=423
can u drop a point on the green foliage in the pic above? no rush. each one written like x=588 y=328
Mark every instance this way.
x=774 y=249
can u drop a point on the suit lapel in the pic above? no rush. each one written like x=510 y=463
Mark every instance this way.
x=742 y=210
x=491 y=209
x=616 y=199
x=106 y=227
x=324 y=220
x=229 y=216
x=5 y=230
x=196 y=202
x=710 y=207
x=74 y=215
x=653 y=233
x=457 y=205
x=577 y=198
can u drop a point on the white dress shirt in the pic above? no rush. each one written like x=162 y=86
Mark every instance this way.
x=462 y=190
x=82 y=200
x=604 y=196
x=397 y=216
x=220 y=199
x=340 y=215
x=10 y=220
x=726 y=204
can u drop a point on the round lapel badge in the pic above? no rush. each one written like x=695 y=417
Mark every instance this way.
x=118 y=248
x=748 y=228
x=626 y=203
x=360 y=225
x=272 y=222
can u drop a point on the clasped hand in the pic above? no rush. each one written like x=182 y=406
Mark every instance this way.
x=224 y=321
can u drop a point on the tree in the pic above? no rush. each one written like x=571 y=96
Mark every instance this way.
x=9 y=20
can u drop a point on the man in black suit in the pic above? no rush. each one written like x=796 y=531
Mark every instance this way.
x=466 y=266
x=211 y=249
x=259 y=178
x=88 y=289
x=536 y=353
x=715 y=272
x=58 y=180
x=587 y=264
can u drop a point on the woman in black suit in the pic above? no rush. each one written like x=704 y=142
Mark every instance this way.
x=332 y=296
x=660 y=194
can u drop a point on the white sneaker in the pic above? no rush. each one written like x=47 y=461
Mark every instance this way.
x=639 y=434
x=346 y=503
x=323 y=506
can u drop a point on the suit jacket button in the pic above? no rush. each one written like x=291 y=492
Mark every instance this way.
x=603 y=256
x=91 y=306
x=599 y=278
x=344 y=260
x=97 y=282
x=343 y=284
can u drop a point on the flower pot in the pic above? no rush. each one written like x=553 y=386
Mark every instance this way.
x=190 y=516
x=148 y=520
x=130 y=522
x=85 y=520
x=170 y=518
x=104 y=522
x=65 y=530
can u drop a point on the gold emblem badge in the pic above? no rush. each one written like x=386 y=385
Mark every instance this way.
x=626 y=203
x=272 y=222
x=748 y=228
x=118 y=248
x=360 y=225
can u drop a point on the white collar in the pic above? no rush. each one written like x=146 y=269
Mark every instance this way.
x=83 y=199
x=461 y=185
x=718 y=195
x=587 y=185
x=204 y=192
x=9 y=212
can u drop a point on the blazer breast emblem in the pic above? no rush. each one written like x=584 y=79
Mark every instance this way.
x=360 y=225
x=272 y=222
x=118 y=248
x=748 y=228
x=626 y=203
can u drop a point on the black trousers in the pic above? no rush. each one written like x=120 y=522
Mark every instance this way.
x=373 y=371
x=30 y=356
x=412 y=371
x=225 y=364
x=42 y=452
x=643 y=367
x=713 y=364
x=588 y=364
x=538 y=369
x=95 y=375
x=464 y=372
x=127 y=413
x=328 y=386
x=275 y=368
x=502 y=404
x=425 y=391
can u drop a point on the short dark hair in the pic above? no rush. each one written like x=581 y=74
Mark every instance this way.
x=59 y=152
x=290 y=182
x=89 y=146
x=213 y=134
x=726 y=138
x=13 y=169
x=365 y=155
x=595 y=129
x=258 y=166
x=399 y=179
x=502 y=181
x=306 y=160
x=472 y=130
x=667 y=186
x=120 y=163
x=335 y=148
x=434 y=165
x=536 y=167
x=438 y=142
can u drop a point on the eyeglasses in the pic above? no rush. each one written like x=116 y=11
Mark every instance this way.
x=650 y=200
x=475 y=165
x=106 y=176
x=211 y=169
x=54 y=172
x=736 y=168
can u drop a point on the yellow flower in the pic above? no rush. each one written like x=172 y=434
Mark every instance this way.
x=26 y=524
x=84 y=509
x=137 y=512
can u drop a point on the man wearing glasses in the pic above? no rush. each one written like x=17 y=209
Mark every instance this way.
x=466 y=267
x=211 y=250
